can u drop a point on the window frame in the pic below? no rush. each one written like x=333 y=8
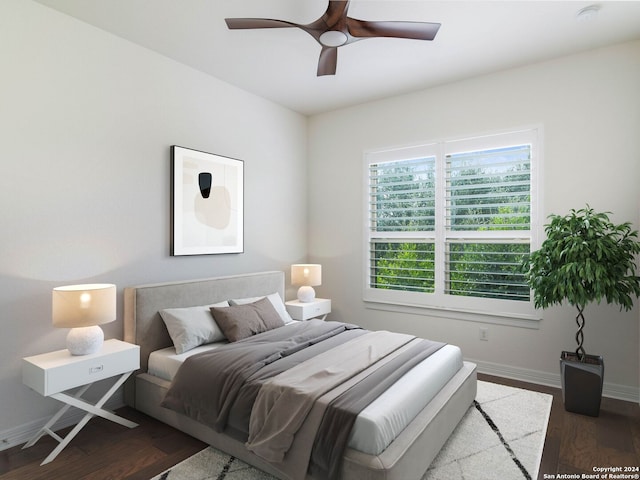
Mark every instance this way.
x=509 y=312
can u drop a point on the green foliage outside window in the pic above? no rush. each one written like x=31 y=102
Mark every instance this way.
x=487 y=270
x=404 y=266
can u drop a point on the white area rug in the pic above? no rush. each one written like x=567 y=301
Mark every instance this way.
x=501 y=436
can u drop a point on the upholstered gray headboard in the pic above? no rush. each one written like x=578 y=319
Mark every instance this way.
x=142 y=304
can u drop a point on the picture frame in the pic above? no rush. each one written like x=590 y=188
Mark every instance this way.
x=207 y=203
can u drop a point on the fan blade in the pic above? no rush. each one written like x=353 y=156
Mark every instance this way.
x=328 y=61
x=241 y=23
x=336 y=12
x=412 y=30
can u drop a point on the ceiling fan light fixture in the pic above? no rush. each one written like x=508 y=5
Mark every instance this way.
x=333 y=38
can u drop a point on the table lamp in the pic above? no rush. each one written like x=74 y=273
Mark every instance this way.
x=306 y=276
x=82 y=308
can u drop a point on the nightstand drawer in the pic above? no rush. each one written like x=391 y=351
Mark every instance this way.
x=59 y=371
x=306 y=310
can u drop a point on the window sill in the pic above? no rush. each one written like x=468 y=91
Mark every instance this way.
x=512 y=320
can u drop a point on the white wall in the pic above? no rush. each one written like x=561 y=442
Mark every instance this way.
x=86 y=123
x=589 y=106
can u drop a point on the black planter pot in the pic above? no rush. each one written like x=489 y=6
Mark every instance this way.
x=582 y=383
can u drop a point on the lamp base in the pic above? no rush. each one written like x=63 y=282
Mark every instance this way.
x=85 y=340
x=306 y=294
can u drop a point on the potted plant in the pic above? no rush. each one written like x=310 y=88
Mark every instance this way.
x=585 y=258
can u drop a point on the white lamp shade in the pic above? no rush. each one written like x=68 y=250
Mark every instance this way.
x=306 y=274
x=83 y=305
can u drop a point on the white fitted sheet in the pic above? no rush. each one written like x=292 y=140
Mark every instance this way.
x=383 y=419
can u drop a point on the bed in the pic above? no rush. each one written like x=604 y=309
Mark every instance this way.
x=374 y=453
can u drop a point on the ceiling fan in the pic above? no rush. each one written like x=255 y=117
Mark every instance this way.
x=336 y=29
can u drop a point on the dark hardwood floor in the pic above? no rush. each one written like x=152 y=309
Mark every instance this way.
x=104 y=450
x=575 y=444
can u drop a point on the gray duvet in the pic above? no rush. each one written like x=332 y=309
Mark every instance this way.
x=219 y=388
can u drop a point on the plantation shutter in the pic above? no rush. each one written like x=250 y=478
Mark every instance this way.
x=402 y=195
x=487 y=192
x=402 y=217
x=449 y=223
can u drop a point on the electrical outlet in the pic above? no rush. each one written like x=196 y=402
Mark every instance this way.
x=484 y=334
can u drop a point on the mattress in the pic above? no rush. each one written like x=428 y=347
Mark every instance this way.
x=382 y=420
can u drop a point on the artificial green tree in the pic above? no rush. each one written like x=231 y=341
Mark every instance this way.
x=585 y=258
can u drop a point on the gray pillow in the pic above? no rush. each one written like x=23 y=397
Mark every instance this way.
x=191 y=327
x=274 y=298
x=242 y=321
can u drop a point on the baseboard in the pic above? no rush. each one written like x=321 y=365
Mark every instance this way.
x=611 y=390
x=23 y=433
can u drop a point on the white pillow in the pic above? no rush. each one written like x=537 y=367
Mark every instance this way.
x=190 y=327
x=275 y=300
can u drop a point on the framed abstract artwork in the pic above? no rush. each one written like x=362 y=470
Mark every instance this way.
x=207 y=202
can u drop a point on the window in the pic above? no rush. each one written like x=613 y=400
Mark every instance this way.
x=449 y=223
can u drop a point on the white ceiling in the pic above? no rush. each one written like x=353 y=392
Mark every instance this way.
x=476 y=37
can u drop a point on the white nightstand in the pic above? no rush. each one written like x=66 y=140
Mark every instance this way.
x=319 y=307
x=50 y=374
